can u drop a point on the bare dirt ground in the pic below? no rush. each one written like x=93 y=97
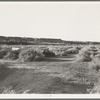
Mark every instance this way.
x=48 y=76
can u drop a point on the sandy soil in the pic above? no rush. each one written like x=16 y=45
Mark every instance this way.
x=49 y=76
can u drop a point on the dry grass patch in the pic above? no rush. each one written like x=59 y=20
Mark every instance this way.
x=81 y=75
x=94 y=67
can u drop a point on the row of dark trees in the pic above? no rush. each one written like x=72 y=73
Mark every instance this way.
x=27 y=41
x=37 y=41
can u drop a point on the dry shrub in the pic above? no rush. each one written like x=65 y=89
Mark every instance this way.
x=57 y=52
x=84 y=55
x=30 y=55
x=60 y=50
x=64 y=53
x=94 y=51
x=79 y=47
x=70 y=51
x=95 y=64
x=73 y=51
x=12 y=55
x=39 y=57
x=3 y=52
x=48 y=53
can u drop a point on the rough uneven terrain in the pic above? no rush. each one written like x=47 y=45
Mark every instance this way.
x=40 y=77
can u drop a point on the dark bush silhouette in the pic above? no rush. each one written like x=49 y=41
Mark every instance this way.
x=3 y=52
x=48 y=53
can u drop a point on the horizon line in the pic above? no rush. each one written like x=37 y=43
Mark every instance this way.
x=50 y=38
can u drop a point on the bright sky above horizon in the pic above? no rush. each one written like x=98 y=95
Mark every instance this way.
x=77 y=21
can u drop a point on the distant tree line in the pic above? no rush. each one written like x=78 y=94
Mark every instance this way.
x=81 y=42
x=27 y=41
x=37 y=41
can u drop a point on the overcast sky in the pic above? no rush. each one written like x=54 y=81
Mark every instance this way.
x=65 y=20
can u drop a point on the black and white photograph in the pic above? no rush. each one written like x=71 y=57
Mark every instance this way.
x=50 y=47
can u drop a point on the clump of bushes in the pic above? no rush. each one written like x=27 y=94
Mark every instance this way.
x=73 y=51
x=92 y=47
x=30 y=55
x=95 y=64
x=64 y=53
x=79 y=47
x=39 y=57
x=12 y=55
x=84 y=55
x=3 y=52
x=57 y=52
x=70 y=51
x=48 y=53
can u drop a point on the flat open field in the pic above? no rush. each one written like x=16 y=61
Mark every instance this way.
x=56 y=75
